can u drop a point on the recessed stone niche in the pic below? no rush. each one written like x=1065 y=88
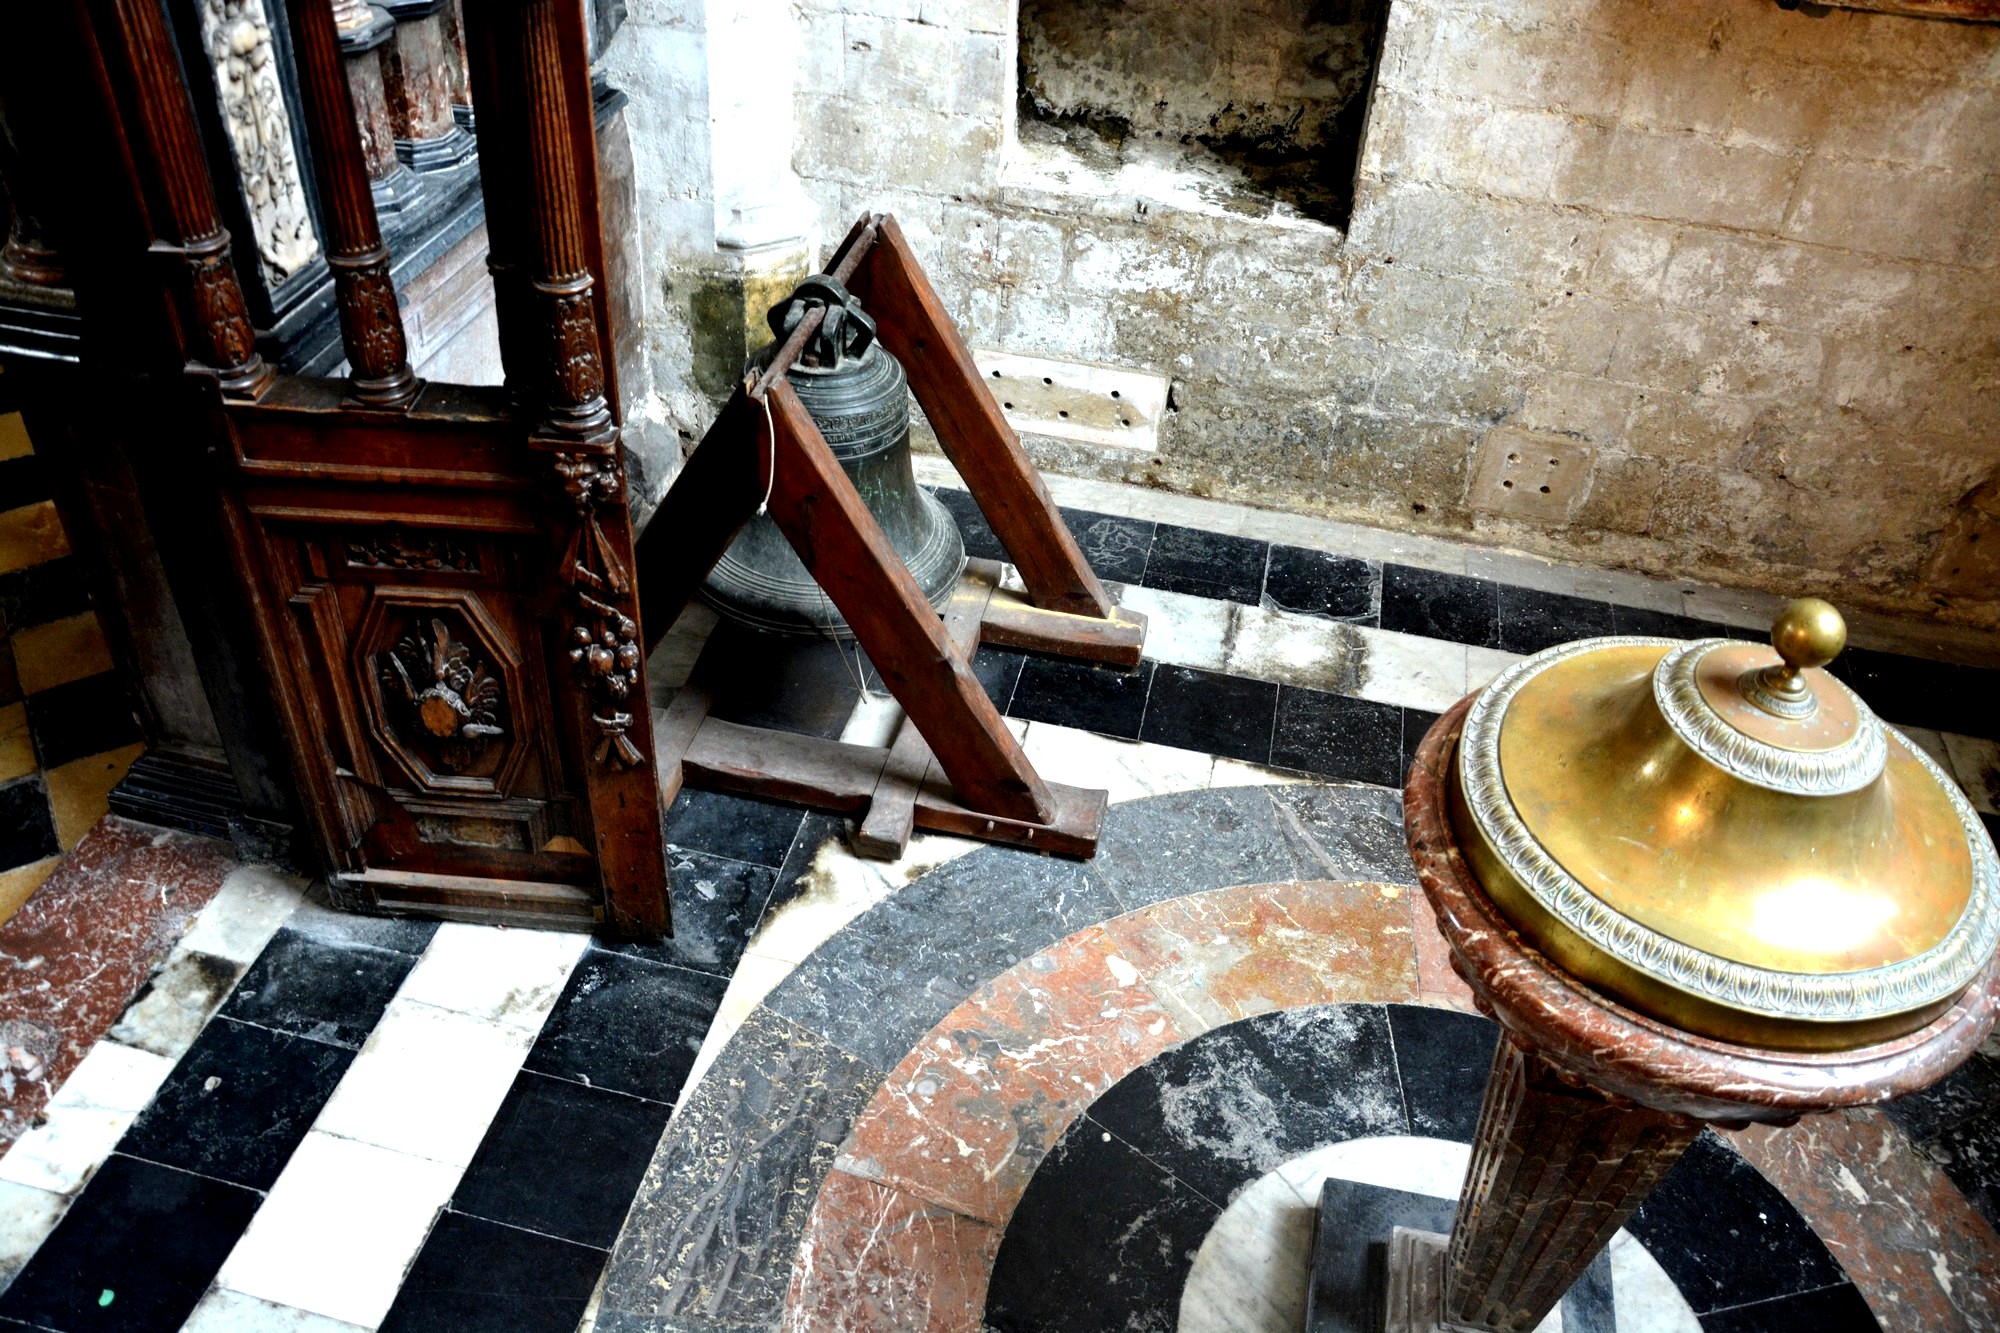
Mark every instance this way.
x=1268 y=96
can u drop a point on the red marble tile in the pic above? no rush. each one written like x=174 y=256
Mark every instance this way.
x=881 y=1260
x=968 y=1115
x=77 y=951
x=1216 y=957
x=1916 y=1250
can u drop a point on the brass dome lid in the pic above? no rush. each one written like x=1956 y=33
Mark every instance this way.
x=1726 y=838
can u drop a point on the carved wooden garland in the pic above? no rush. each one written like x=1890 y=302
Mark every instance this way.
x=604 y=639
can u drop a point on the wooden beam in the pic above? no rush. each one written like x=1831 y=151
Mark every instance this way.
x=891 y=818
x=973 y=433
x=847 y=553
x=716 y=493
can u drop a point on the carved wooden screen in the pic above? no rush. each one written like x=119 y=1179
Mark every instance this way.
x=439 y=574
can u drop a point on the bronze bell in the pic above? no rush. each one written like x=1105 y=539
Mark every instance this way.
x=859 y=397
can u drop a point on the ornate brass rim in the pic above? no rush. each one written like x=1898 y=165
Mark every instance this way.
x=1913 y=983
x=1845 y=768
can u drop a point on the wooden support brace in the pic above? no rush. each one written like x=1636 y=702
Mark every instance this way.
x=913 y=325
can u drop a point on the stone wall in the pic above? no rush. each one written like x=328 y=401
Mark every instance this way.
x=1732 y=266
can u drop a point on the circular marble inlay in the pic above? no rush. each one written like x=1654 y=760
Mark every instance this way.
x=1249 y=1276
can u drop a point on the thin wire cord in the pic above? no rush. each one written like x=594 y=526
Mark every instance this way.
x=771 y=470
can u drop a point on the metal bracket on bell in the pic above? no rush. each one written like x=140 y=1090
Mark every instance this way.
x=846 y=331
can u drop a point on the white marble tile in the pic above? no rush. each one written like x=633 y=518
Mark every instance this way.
x=1186 y=631
x=1483 y=664
x=1410 y=671
x=1736 y=607
x=1294 y=649
x=86 y=1117
x=1603 y=585
x=1236 y=773
x=1129 y=770
x=1643 y=1298
x=1975 y=762
x=27 y=1216
x=509 y=976
x=338 y=1229
x=837 y=887
x=427 y=1082
x=226 y=1311
x=189 y=987
x=244 y=913
x=874 y=721
x=1249 y=1276
x=1407 y=1162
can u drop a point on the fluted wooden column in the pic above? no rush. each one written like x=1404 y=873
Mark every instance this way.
x=1557 y=1167
x=573 y=405
x=223 y=337
x=371 y=326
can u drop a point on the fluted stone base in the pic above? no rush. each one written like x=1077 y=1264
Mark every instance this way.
x=1556 y=1170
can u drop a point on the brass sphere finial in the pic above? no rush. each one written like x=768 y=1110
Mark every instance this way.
x=1808 y=633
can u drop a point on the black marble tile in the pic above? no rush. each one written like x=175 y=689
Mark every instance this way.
x=1443 y=1057
x=1334 y=736
x=1319 y=583
x=741 y=828
x=562 y=1159
x=475 y=1276
x=133 y=1254
x=237 y=1103
x=1437 y=605
x=1211 y=713
x=1915 y=693
x=1354 y=832
x=10 y=679
x=23 y=481
x=805 y=686
x=1115 y=547
x=1837 y=1309
x=717 y=903
x=999 y=670
x=27 y=830
x=797 y=876
x=1666 y=625
x=1102 y=1239
x=882 y=982
x=1207 y=564
x=717 y=1219
x=1416 y=725
x=44 y=592
x=1235 y=1102
x=1531 y=620
x=1963 y=1093
x=84 y=717
x=628 y=1024
x=1076 y=694
x=1969 y=1152
x=1190 y=842
x=407 y=935
x=980 y=543
x=333 y=993
x=1726 y=1236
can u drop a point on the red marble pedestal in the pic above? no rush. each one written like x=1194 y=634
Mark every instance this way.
x=1590 y=1103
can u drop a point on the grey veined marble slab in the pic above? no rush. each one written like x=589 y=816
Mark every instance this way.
x=711 y=1235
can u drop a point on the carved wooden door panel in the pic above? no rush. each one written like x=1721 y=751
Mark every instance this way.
x=438 y=575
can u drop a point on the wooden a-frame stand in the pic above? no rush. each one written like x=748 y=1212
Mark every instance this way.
x=954 y=767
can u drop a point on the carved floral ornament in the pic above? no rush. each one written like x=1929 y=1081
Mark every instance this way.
x=604 y=640
x=446 y=693
x=237 y=35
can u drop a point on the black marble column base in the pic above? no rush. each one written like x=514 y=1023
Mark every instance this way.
x=1352 y=1234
